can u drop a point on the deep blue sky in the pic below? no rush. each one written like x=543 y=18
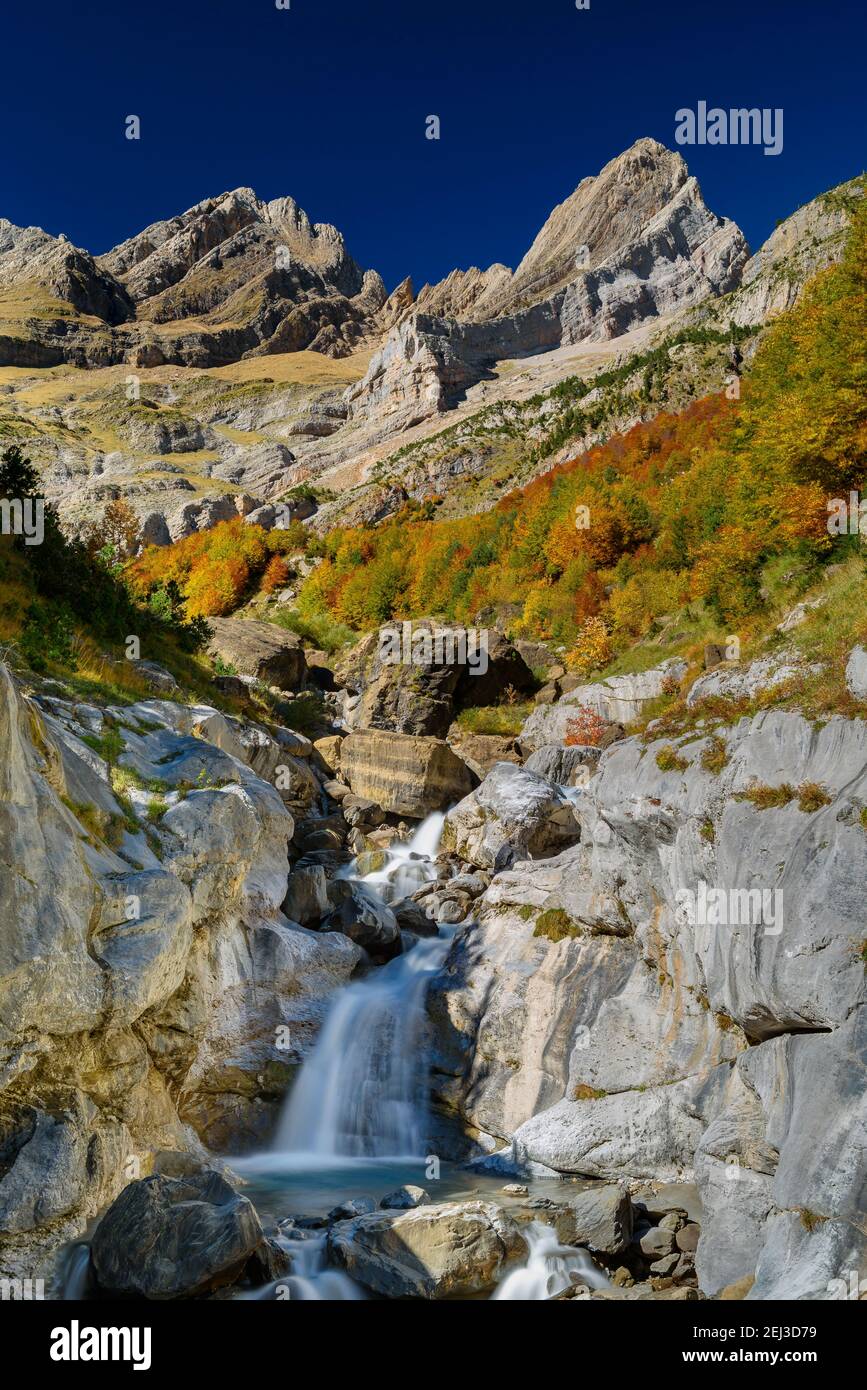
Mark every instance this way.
x=327 y=102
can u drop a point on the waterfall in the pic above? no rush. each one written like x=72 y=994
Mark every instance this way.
x=362 y=1092
x=550 y=1268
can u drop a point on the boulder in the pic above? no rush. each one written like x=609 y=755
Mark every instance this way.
x=599 y=1218
x=640 y=1134
x=166 y=1238
x=406 y=776
x=512 y=815
x=306 y=898
x=328 y=750
x=437 y=670
x=481 y=752
x=271 y=654
x=566 y=767
x=157 y=677
x=405 y=1198
x=656 y=1243
x=454 y=1249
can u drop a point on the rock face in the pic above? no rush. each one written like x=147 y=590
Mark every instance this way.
x=152 y=994
x=635 y=241
x=617 y=700
x=601 y=1020
x=166 y=1238
x=28 y=255
x=404 y=775
x=453 y=1249
x=513 y=815
x=271 y=654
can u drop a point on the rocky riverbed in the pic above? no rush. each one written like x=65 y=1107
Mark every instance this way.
x=607 y=1091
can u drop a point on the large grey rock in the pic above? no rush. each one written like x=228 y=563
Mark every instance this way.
x=599 y=1218
x=166 y=1238
x=514 y=814
x=771 y=1153
x=142 y=1008
x=652 y=1134
x=470 y=667
x=566 y=767
x=363 y=917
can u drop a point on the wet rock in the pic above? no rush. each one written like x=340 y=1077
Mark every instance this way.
x=405 y=1198
x=413 y=918
x=355 y=1206
x=599 y=1217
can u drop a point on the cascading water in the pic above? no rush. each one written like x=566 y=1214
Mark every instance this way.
x=362 y=1091
x=550 y=1268
x=311 y=1279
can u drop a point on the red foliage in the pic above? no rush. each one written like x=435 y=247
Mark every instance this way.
x=586 y=728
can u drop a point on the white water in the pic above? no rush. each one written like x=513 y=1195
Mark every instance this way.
x=311 y=1279
x=362 y=1091
x=409 y=863
x=550 y=1268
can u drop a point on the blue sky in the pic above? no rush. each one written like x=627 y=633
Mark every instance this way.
x=327 y=101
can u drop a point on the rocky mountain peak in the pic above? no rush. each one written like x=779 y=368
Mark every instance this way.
x=32 y=260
